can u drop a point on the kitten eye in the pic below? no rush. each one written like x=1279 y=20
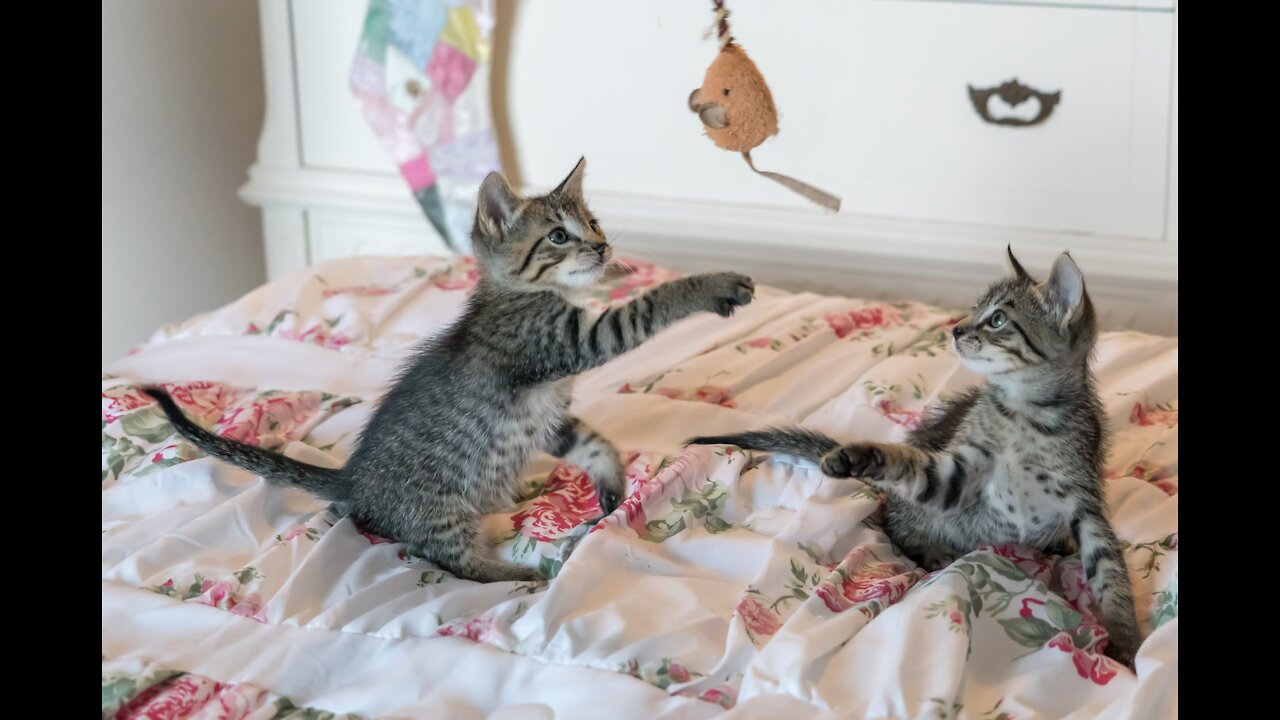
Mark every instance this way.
x=997 y=319
x=558 y=236
x=595 y=227
x=726 y=92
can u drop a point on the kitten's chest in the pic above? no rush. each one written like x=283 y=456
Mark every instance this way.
x=1024 y=497
x=537 y=412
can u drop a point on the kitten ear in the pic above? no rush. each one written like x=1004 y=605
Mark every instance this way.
x=1015 y=267
x=1064 y=290
x=497 y=204
x=572 y=185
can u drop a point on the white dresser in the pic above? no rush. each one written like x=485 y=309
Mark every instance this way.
x=907 y=109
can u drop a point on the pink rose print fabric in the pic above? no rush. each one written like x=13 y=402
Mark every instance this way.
x=727 y=582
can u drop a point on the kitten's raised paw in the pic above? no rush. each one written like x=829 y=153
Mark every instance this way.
x=854 y=461
x=729 y=290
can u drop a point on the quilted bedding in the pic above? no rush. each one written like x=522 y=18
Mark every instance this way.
x=729 y=584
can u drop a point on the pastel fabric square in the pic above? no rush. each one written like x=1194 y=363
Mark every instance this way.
x=462 y=33
x=450 y=69
x=415 y=28
x=421 y=75
x=418 y=172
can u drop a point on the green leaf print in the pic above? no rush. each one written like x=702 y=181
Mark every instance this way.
x=121 y=453
x=1063 y=616
x=1155 y=550
x=550 y=566
x=115 y=690
x=698 y=505
x=247 y=575
x=1028 y=631
x=1000 y=565
x=662 y=674
x=798 y=572
x=1166 y=605
x=275 y=322
x=989 y=598
x=995 y=714
x=147 y=423
x=813 y=551
x=184 y=453
x=194 y=589
x=946 y=709
x=119 y=688
x=930 y=343
x=715 y=525
x=522 y=548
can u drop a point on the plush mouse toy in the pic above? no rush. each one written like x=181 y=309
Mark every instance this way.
x=735 y=88
x=737 y=110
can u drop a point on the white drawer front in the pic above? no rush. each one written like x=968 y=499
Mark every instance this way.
x=874 y=107
x=917 y=146
x=338 y=235
x=334 y=134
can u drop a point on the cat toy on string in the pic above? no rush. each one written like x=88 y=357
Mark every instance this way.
x=736 y=107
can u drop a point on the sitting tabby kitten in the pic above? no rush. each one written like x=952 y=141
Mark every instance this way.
x=1017 y=460
x=449 y=440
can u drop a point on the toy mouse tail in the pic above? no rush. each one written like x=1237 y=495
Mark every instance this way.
x=813 y=194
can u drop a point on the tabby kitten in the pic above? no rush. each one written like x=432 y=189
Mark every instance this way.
x=1017 y=460
x=449 y=440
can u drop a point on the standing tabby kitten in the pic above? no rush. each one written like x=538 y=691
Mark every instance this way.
x=1018 y=460
x=449 y=440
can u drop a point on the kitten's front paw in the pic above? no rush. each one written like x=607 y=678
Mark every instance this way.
x=854 y=461
x=728 y=291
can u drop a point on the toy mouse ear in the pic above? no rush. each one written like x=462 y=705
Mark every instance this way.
x=695 y=99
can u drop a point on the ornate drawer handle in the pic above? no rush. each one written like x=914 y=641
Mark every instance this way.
x=1014 y=93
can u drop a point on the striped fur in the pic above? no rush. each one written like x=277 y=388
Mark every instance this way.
x=450 y=438
x=1019 y=459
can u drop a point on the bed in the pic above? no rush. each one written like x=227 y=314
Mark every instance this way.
x=729 y=584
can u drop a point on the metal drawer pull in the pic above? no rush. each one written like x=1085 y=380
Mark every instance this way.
x=1014 y=93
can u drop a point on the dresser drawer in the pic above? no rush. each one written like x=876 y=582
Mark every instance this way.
x=875 y=106
x=333 y=134
x=338 y=234
x=932 y=132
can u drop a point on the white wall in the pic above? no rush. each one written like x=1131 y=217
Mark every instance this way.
x=182 y=104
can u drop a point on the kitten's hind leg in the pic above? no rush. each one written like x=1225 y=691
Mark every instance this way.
x=464 y=551
x=579 y=445
x=476 y=565
x=925 y=552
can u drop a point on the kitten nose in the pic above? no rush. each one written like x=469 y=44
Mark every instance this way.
x=600 y=248
x=959 y=330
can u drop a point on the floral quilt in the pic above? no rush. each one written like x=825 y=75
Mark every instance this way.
x=728 y=584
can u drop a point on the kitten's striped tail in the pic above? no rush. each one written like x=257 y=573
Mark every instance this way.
x=806 y=444
x=324 y=483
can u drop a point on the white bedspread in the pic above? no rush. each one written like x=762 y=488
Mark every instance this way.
x=728 y=585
